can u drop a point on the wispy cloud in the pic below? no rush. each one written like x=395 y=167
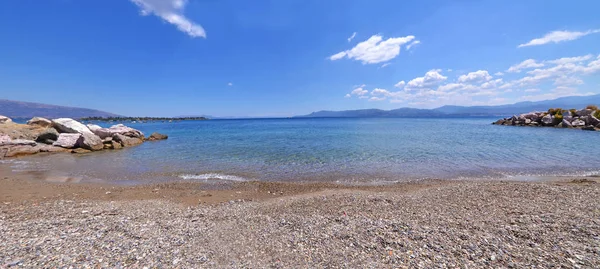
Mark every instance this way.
x=414 y=43
x=529 y=63
x=374 y=50
x=558 y=36
x=352 y=37
x=171 y=11
x=229 y=84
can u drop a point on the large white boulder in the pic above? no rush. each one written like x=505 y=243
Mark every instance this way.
x=66 y=125
x=89 y=139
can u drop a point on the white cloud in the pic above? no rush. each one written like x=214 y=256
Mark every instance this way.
x=567 y=60
x=414 y=43
x=384 y=65
x=347 y=95
x=477 y=76
x=529 y=63
x=363 y=97
x=567 y=81
x=532 y=90
x=374 y=98
x=374 y=50
x=337 y=56
x=352 y=37
x=400 y=84
x=229 y=84
x=359 y=91
x=498 y=74
x=171 y=11
x=558 y=36
x=431 y=79
x=553 y=94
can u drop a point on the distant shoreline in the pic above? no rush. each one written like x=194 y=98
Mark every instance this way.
x=140 y=119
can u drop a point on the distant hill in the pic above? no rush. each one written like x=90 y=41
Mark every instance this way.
x=26 y=110
x=376 y=113
x=576 y=102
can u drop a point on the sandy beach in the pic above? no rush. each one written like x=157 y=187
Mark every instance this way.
x=428 y=224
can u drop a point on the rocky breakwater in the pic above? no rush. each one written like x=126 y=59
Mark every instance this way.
x=64 y=135
x=584 y=119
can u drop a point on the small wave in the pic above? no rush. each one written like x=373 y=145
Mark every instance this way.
x=213 y=176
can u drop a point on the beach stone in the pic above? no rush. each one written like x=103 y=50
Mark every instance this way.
x=22 y=142
x=127 y=141
x=547 y=120
x=118 y=129
x=498 y=122
x=4 y=119
x=593 y=120
x=48 y=136
x=19 y=150
x=50 y=148
x=584 y=112
x=80 y=150
x=67 y=125
x=91 y=142
x=5 y=139
x=588 y=128
x=578 y=123
x=66 y=140
x=566 y=124
x=527 y=121
x=156 y=136
x=39 y=121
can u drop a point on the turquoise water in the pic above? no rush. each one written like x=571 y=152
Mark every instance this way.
x=340 y=150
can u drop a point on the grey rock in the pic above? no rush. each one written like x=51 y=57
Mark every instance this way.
x=38 y=121
x=584 y=112
x=127 y=141
x=593 y=120
x=69 y=141
x=566 y=124
x=157 y=136
x=547 y=120
x=578 y=123
x=48 y=136
x=4 y=119
x=588 y=128
x=22 y=142
x=118 y=129
x=91 y=142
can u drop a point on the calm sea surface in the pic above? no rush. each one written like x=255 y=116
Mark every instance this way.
x=339 y=150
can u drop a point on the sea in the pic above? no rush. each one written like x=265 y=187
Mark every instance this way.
x=341 y=150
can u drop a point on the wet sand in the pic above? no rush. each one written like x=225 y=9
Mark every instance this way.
x=255 y=225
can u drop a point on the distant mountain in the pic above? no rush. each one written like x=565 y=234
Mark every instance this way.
x=25 y=110
x=576 y=102
x=376 y=113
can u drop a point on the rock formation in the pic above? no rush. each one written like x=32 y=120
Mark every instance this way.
x=584 y=119
x=63 y=135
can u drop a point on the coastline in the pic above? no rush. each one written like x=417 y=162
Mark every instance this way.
x=257 y=224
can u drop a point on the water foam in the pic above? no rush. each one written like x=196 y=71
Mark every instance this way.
x=213 y=176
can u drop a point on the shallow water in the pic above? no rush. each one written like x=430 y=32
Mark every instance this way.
x=341 y=150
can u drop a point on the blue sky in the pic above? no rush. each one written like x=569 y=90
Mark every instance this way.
x=290 y=57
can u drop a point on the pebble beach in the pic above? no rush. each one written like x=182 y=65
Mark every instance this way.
x=428 y=224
